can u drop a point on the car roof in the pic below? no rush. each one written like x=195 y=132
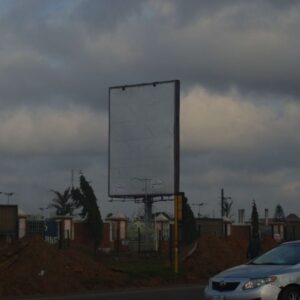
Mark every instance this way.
x=291 y=242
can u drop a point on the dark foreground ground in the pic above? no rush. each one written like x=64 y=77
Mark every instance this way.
x=32 y=267
x=194 y=292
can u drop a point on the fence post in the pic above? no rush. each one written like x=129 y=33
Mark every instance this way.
x=171 y=244
x=61 y=235
x=139 y=240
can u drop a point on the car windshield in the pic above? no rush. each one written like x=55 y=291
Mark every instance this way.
x=285 y=254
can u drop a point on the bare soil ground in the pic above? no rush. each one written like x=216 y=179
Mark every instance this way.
x=215 y=254
x=33 y=267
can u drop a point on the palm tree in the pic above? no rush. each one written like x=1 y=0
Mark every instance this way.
x=62 y=203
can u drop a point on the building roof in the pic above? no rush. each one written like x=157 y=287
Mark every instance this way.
x=227 y=220
x=292 y=217
x=161 y=217
x=21 y=213
x=116 y=216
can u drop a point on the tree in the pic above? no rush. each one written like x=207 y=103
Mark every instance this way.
x=254 y=220
x=84 y=198
x=62 y=203
x=279 y=213
x=189 y=230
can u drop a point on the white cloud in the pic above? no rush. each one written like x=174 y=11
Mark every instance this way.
x=229 y=123
x=46 y=130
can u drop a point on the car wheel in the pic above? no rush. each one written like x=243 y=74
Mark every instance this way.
x=290 y=293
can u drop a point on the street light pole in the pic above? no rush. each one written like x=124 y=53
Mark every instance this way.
x=199 y=205
x=8 y=195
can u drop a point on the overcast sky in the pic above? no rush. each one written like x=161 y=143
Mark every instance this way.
x=238 y=63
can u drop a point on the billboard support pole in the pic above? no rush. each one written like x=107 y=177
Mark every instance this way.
x=178 y=218
x=177 y=195
x=176 y=237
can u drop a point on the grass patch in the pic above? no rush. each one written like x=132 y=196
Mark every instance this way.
x=144 y=268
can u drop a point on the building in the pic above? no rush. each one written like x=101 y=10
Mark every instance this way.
x=9 y=227
x=214 y=226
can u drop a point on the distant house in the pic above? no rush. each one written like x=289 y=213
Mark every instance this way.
x=22 y=223
x=118 y=226
x=214 y=226
x=292 y=229
x=270 y=227
x=162 y=222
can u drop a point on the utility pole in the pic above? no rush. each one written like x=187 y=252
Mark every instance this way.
x=223 y=199
x=178 y=204
x=222 y=203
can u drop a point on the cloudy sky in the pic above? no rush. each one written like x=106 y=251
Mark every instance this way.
x=238 y=63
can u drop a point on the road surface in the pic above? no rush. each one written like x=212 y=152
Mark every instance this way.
x=165 y=293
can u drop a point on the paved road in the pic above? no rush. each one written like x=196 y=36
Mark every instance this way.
x=169 y=293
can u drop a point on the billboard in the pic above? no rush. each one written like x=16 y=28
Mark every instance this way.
x=144 y=139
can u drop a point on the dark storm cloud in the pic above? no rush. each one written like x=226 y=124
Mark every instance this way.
x=71 y=51
x=44 y=56
x=58 y=58
x=106 y=15
x=248 y=45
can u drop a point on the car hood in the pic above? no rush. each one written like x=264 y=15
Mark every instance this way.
x=252 y=271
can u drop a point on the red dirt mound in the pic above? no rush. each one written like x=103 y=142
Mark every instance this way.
x=215 y=254
x=35 y=267
x=31 y=267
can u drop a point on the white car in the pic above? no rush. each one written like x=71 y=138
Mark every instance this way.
x=274 y=275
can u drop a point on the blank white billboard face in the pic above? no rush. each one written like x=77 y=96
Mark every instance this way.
x=144 y=139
